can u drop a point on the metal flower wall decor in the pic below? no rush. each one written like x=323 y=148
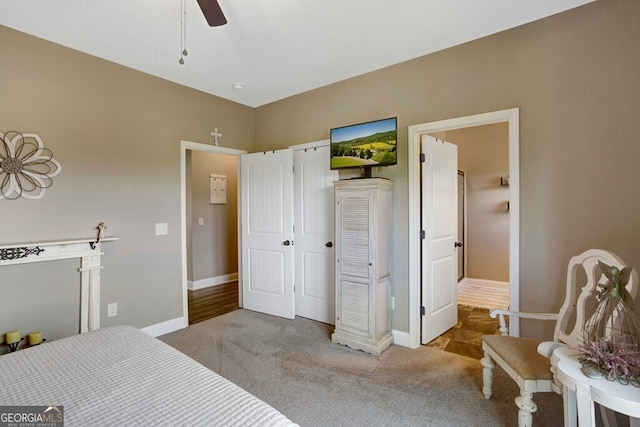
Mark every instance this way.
x=27 y=168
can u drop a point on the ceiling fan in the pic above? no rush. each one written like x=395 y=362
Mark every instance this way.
x=212 y=12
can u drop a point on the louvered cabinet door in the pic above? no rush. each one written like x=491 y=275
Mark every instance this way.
x=363 y=287
x=352 y=261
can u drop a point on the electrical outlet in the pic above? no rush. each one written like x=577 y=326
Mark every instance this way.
x=393 y=303
x=162 y=229
x=201 y=221
x=112 y=309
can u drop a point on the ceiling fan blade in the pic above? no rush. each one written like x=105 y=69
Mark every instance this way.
x=212 y=12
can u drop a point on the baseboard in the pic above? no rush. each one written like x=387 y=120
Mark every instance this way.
x=401 y=338
x=166 y=327
x=211 y=281
x=483 y=283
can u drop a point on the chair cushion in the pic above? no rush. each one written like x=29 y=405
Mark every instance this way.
x=521 y=354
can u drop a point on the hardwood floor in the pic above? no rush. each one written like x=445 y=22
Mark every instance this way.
x=212 y=301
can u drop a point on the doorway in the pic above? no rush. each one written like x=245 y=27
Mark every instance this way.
x=483 y=214
x=211 y=267
x=415 y=132
x=483 y=153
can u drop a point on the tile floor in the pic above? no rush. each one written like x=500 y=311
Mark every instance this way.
x=466 y=337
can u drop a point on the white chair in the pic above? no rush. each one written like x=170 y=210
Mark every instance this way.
x=519 y=357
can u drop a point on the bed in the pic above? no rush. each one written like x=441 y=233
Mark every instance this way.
x=121 y=376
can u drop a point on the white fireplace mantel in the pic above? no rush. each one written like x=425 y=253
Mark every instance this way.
x=90 y=266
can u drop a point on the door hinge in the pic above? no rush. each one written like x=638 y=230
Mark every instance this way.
x=422 y=311
x=422 y=158
x=423 y=235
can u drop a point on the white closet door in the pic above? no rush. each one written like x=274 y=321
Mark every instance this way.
x=314 y=235
x=440 y=225
x=267 y=232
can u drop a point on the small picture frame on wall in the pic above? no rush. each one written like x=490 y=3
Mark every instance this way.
x=218 y=189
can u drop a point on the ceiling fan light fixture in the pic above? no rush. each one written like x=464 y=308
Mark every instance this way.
x=212 y=12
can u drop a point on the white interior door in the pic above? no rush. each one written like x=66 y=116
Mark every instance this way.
x=461 y=225
x=440 y=226
x=267 y=232
x=314 y=225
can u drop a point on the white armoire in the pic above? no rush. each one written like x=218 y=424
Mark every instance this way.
x=363 y=282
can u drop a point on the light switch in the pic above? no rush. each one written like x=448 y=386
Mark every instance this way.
x=162 y=229
x=200 y=221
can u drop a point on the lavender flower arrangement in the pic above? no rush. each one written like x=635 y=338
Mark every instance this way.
x=615 y=360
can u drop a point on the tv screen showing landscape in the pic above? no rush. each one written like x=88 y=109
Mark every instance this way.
x=363 y=145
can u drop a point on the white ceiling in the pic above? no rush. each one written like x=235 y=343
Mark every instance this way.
x=276 y=48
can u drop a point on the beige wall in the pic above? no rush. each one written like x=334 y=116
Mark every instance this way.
x=214 y=245
x=117 y=134
x=574 y=77
x=483 y=154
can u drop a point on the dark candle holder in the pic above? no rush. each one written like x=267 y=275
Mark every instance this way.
x=14 y=345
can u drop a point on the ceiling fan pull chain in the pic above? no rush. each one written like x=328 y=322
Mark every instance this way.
x=184 y=43
x=183 y=32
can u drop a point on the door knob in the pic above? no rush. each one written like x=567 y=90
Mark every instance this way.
x=286 y=243
x=329 y=244
x=458 y=244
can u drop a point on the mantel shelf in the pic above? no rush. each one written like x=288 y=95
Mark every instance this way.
x=57 y=242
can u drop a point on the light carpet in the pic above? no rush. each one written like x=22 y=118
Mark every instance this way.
x=293 y=366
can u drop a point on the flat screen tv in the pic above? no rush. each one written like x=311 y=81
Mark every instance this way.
x=365 y=145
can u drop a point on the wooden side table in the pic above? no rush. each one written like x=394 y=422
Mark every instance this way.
x=580 y=393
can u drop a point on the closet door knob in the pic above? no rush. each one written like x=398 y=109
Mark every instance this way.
x=329 y=244
x=286 y=243
x=458 y=244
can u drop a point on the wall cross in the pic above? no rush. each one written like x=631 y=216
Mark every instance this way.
x=215 y=134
